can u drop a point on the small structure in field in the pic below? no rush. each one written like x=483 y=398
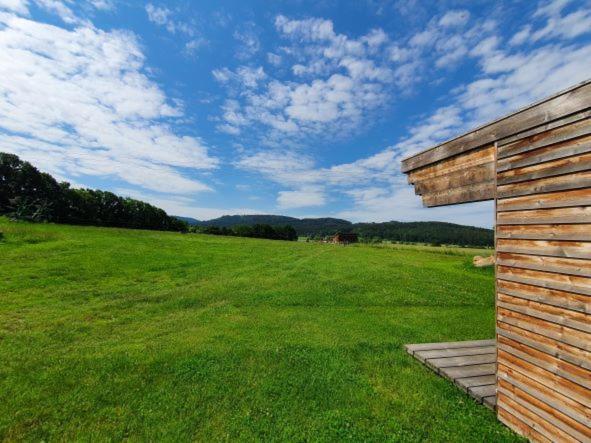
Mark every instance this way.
x=344 y=238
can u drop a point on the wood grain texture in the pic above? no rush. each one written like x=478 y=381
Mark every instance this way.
x=546 y=378
x=577 y=375
x=532 y=420
x=474 y=158
x=562 y=199
x=459 y=179
x=559 y=333
x=572 y=290
x=578 y=214
x=475 y=193
x=534 y=291
x=552 y=248
x=565 y=121
x=569 y=266
x=567 y=428
x=519 y=423
x=568 y=353
x=556 y=137
x=561 y=183
x=579 y=232
x=552 y=397
x=547 y=169
x=555 y=152
x=561 y=316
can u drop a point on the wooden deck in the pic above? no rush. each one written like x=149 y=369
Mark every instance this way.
x=469 y=364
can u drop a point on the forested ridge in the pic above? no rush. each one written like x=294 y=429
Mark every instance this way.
x=28 y=194
x=317 y=228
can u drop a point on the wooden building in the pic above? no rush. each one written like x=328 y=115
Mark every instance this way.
x=345 y=238
x=536 y=165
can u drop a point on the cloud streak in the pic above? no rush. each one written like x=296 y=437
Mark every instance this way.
x=104 y=116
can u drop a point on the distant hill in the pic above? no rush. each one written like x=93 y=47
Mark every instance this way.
x=421 y=232
x=188 y=220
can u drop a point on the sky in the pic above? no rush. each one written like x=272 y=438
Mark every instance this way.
x=300 y=108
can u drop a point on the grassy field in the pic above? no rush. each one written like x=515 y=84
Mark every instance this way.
x=110 y=334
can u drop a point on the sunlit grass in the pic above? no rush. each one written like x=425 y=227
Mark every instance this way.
x=110 y=334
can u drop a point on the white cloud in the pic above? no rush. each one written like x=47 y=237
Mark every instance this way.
x=455 y=18
x=183 y=206
x=192 y=46
x=342 y=81
x=274 y=59
x=401 y=204
x=301 y=198
x=555 y=24
x=508 y=79
x=163 y=16
x=103 y=117
x=60 y=8
x=18 y=6
x=249 y=43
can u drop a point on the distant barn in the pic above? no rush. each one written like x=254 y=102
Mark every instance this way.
x=345 y=238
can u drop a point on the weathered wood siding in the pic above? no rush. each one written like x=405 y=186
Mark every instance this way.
x=536 y=165
x=470 y=177
x=543 y=231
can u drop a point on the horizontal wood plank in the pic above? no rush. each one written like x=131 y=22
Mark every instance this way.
x=534 y=422
x=571 y=430
x=552 y=248
x=469 y=160
x=468 y=360
x=565 y=121
x=554 y=297
x=571 y=289
x=519 y=423
x=563 y=199
x=577 y=232
x=467 y=177
x=449 y=345
x=546 y=378
x=454 y=373
x=561 y=151
x=470 y=382
x=577 y=180
x=481 y=192
x=456 y=352
x=554 y=314
x=560 y=333
x=552 y=397
x=570 y=266
x=547 y=169
x=579 y=214
x=565 y=352
x=573 y=134
x=559 y=367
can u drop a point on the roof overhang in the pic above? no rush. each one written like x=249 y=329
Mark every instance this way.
x=462 y=169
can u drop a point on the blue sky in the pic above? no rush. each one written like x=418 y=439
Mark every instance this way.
x=302 y=108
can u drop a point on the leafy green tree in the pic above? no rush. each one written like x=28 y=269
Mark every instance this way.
x=28 y=194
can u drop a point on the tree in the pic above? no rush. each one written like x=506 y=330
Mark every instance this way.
x=27 y=194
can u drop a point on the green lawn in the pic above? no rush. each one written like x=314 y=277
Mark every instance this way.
x=110 y=334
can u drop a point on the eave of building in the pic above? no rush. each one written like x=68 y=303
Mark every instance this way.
x=462 y=169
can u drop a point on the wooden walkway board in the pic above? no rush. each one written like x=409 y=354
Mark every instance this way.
x=469 y=364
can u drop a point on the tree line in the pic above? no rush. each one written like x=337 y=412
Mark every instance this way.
x=437 y=233
x=28 y=194
x=285 y=232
